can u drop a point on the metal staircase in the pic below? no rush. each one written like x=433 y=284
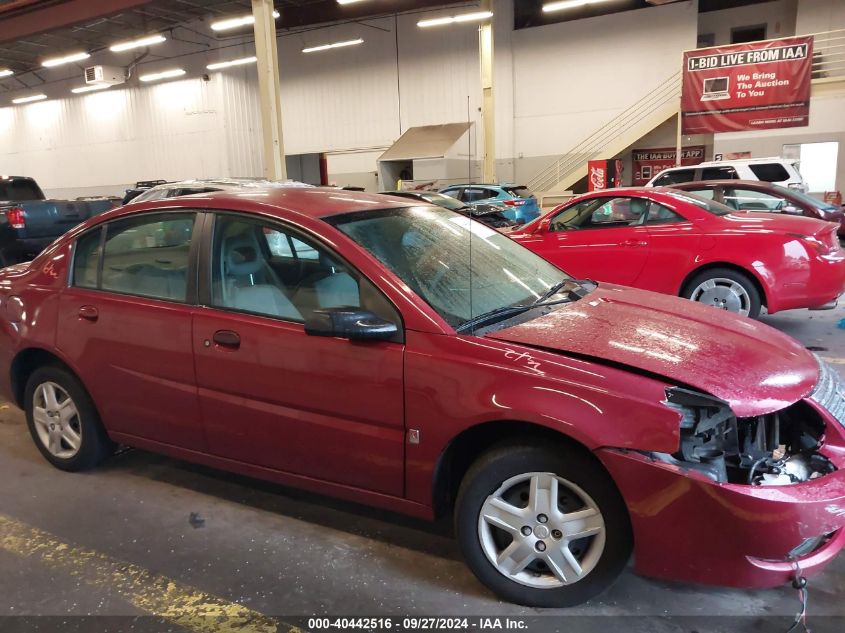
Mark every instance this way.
x=664 y=102
x=624 y=130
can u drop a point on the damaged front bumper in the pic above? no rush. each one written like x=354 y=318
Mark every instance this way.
x=690 y=528
x=693 y=526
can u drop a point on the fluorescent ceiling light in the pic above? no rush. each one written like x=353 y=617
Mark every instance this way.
x=90 y=88
x=6 y=72
x=568 y=4
x=452 y=19
x=28 y=99
x=164 y=74
x=233 y=23
x=143 y=41
x=325 y=47
x=234 y=62
x=58 y=61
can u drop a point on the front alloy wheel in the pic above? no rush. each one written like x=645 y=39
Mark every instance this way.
x=541 y=531
x=542 y=525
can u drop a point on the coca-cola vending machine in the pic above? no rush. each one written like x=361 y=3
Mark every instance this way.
x=604 y=174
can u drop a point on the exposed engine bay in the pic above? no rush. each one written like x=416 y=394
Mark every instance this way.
x=776 y=449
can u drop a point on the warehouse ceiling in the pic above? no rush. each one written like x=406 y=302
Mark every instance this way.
x=31 y=30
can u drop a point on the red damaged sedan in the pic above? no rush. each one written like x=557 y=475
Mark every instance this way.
x=407 y=357
x=680 y=244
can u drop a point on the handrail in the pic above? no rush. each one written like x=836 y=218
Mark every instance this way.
x=667 y=91
x=828 y=63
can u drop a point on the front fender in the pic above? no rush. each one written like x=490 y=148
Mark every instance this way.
x=456 y=383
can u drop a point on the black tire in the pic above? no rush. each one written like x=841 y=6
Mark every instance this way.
x=754 y=299
x=94 y=445
x=501 y=464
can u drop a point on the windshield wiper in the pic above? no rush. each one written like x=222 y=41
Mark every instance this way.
x=579 y=292
x=499 y=314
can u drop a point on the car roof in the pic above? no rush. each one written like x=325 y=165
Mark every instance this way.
x=483 y=184
x=314 y=202
x=760 y=184
x=228 y=183
x=763 y=159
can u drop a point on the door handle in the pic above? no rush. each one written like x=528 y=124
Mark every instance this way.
x=88 y=313
x=227 y=338
x=634 y=243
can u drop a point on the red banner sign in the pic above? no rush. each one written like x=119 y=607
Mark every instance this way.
x=754 y=86
x=647 y=163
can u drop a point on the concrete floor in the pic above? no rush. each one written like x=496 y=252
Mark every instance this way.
x=286 y=554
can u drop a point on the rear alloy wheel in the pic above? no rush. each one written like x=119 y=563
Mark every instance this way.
x=725 y=289
x=63 y=421
x=542 y=527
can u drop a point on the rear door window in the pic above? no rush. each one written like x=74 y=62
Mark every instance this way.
x=719 y=173
x=148 y=256
x=770 y=172
x=674 y=177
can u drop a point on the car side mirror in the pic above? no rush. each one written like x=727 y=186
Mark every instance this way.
x=543 y=226
x=352 y=323
x=792 y=210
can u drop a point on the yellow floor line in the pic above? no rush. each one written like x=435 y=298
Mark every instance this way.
x=152 y=593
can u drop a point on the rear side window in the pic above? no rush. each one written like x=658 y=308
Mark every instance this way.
x=20 y=190
x=674 y=177
x=658 y=214
x=719 y=173
x=519 y=192
x=86 y=259
x=473 y=194
x=770 y=172
x=146 y=256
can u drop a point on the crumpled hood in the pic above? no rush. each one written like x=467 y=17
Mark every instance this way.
x=752 y=366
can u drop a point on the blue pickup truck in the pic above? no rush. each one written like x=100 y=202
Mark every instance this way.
x=29 y=222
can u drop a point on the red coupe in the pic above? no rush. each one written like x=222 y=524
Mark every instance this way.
x=407 y=357
x=680 y=244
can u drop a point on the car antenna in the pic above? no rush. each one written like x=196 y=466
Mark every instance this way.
x=469 y=225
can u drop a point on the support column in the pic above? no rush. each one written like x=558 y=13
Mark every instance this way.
x=679 y=138
x=488 y=111
x=269 y=90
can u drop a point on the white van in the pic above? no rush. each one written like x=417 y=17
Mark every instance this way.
x=781 y=171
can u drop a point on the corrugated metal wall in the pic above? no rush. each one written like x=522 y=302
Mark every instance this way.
x=106 y=140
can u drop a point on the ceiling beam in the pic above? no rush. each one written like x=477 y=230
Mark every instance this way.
x=34 y=19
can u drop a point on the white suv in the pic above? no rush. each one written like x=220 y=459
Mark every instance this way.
x=781 y=171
